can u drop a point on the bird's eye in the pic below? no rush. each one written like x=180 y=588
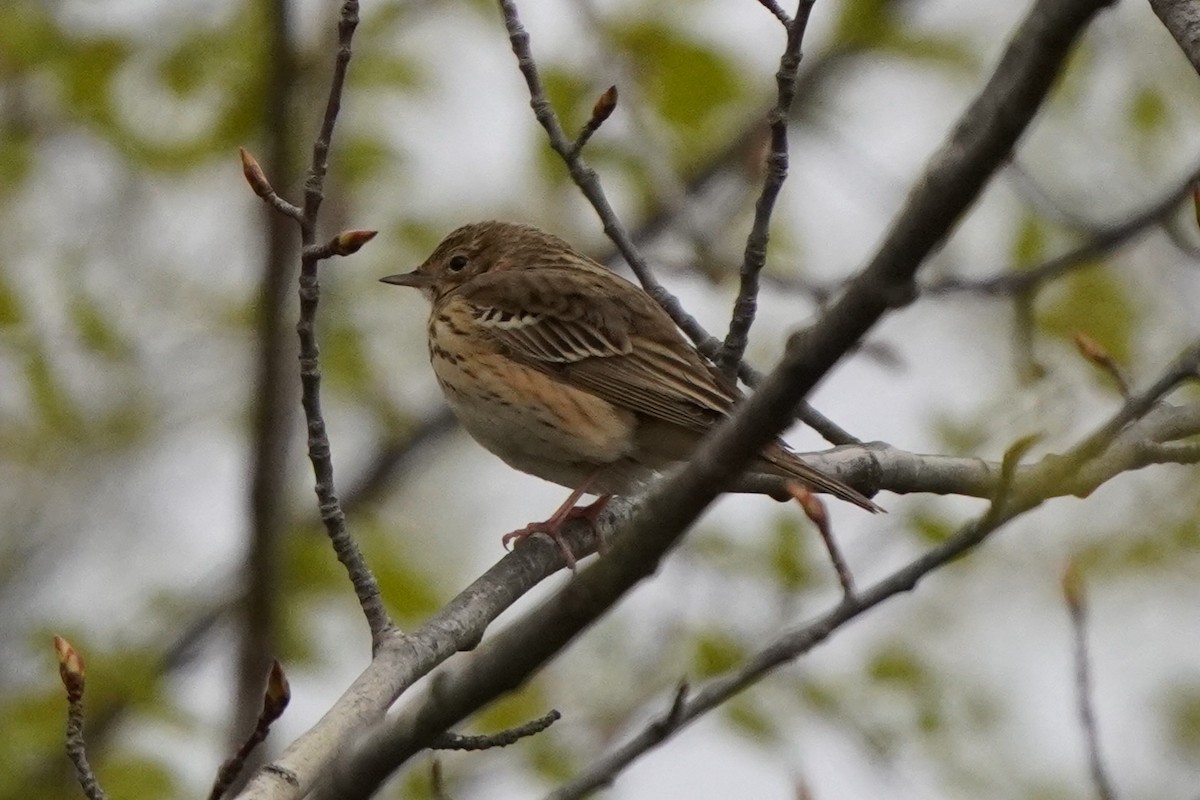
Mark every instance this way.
x=457 y=263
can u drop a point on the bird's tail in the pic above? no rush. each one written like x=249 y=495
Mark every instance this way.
x=789 y=465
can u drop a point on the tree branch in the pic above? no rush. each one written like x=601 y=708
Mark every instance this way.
x=1018 y=490
x=274 y=701
x=755 y=258
x=1076 y=606
x=274 y=409
x=455 y=741
x=366 y=588
x=1182 y=19
x=1103 y=241
x=589 y=184
x=71 y=672
x=978 y=144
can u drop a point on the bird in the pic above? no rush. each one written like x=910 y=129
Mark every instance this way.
x=569 y=372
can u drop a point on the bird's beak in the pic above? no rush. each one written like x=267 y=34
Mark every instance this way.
x=415 y=279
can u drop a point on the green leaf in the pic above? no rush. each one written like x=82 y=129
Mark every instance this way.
x=412 y=593
x=53 y=405
x=960 y=436
x=16 y=154
x=945 y=51
x=873 y=24
x=386 y=70
x=28 y=36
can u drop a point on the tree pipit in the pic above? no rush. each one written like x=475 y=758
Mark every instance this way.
x=572 y=373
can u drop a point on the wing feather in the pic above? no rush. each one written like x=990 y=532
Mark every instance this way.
x=599 y=333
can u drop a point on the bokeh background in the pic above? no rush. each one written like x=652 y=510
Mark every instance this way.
x=157 y=505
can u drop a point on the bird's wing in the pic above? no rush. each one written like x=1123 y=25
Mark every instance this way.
x=597 y=332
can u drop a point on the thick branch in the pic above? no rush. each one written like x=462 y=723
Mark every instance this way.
x=977 y=146
x=1021 y=489
x=1182 y=19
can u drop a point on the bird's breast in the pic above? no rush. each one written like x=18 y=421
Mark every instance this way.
x=533 y=421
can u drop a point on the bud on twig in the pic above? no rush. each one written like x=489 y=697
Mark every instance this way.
x=349 y=242
x=254 y=174
x=605 y=105
x=602 y=110
x=814 y=509
x=1094 y=352
x=70 y=667
x=278 y=693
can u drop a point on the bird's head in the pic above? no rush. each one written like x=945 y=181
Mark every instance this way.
x=477 y=248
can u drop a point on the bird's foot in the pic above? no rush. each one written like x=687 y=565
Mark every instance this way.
x=566 y=513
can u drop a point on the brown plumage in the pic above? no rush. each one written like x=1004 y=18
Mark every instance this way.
x=569 y=372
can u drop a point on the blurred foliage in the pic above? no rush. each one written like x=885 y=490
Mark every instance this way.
x=1096 y=301
x=1183 y=708
x=689 y=85
x=126 y=333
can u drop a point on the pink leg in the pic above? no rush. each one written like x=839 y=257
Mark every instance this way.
x=565 y=513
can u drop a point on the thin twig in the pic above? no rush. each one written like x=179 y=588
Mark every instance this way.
x=1103 y=241
x=455 y=741
x=602 y=110
x=1008 y=474
x=814 y=509
x=1185 y=367
x=755 y=256
x=366 y=588
x=253 y=172
x=1076 y=605
x=1175 y=453
x=589 y=184
x=585 y=178
x=274 y=701
x=1095 y=352
x=778 y=12
x=71 y=671
x=785 y=649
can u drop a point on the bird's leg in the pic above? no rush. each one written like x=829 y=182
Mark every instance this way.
x=565 y=513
